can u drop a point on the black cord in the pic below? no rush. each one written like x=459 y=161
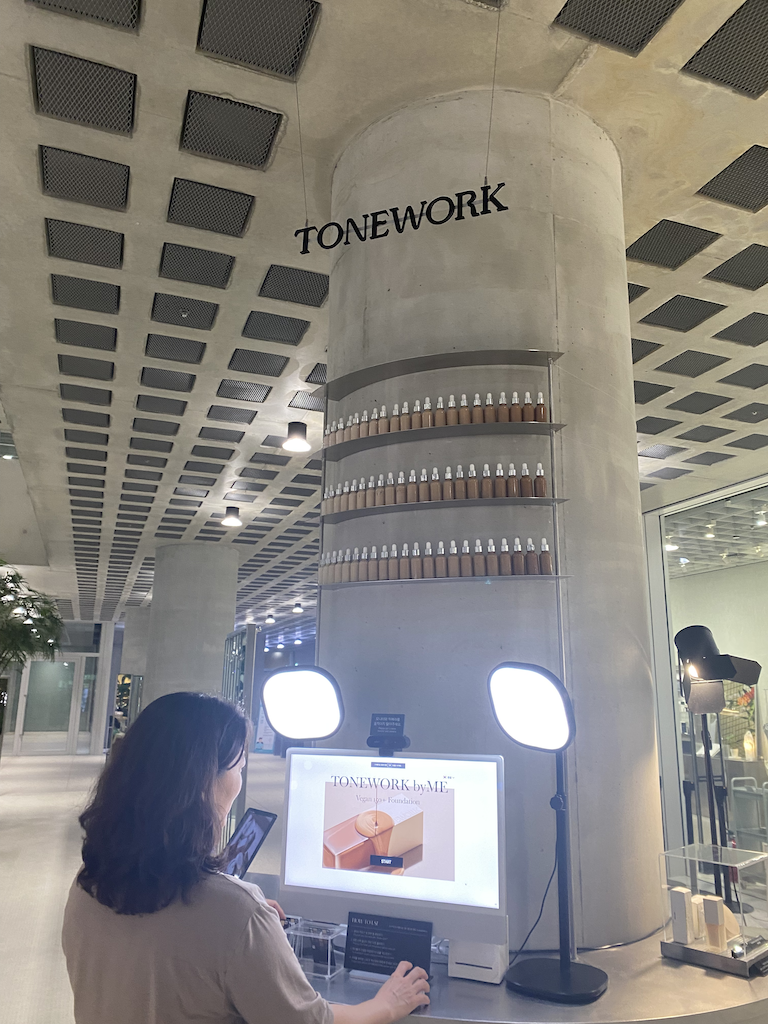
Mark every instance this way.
x=541 y=911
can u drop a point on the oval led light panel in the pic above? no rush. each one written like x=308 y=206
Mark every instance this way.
x=531 y=706
x=302 y=703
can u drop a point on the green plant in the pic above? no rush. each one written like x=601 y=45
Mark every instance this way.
x=30 y=624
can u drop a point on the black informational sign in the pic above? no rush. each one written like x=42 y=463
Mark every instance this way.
x=387 y=725
x=378 y=944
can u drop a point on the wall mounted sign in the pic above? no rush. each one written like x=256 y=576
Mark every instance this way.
x=378 y=944
x=459 y=206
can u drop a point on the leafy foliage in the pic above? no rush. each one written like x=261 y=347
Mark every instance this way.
x=30 y=624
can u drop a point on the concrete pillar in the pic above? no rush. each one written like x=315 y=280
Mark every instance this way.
x=193 y=609
x=547 y=274
x=135 y=641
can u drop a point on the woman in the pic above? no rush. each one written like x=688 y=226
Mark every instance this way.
x=153 y=933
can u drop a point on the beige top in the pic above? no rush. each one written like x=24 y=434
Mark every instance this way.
x=222 y=958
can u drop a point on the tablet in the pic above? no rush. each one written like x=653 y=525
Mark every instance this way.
x=246 y=841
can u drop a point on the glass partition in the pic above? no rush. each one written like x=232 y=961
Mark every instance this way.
x=48 y=706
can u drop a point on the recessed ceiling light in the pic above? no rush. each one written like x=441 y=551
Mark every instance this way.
x=297 y=643
x=280 y=647
x=709 y=536
x=297 y=438
x=232 y=518
x=671 y=547
x=297 y=608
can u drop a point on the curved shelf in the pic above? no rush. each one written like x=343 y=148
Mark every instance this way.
x=343 y=386
x=336 y=452
x=360 y=513
x=443 y=579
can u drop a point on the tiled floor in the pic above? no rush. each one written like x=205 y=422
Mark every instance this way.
x=40 y=799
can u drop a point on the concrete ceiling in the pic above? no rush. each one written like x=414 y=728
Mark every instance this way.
x=675 y=132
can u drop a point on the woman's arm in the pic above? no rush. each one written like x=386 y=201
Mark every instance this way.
x=400 y=994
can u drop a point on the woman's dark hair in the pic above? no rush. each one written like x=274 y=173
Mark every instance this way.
x=151 y=827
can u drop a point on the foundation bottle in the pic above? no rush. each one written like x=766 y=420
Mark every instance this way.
x=362 y=573
x=337 y=499
x=373 y=427
x=486 y=484
x=344 y=506
x=452 y=413
x=416 y=416
x=389 y=490
x=518 y=558
x=435 y=490
x=416 y=566
x=489 y=412
x=540 y=414
x=354 y=567
x=515 y=412
x=531 y=560
x=340 y=430
x=453 y=560
x=478 y=561
x=428 y=417
x=447 y=485
x=505 y=559
x=364 y=424
x=324 y=503
x=339 y=567
x=370 y=493
x=502 y=412
x=400 y=489
x=546 y=566
x=331 y=570
x=405 y=417
x=348 y=429
x=404 y=569
x=539 y=482
x=362 y=494
x=373 y=566
x=346 y=567
x=383 y=563
x=528 y=410
x=441 y=416
x=332 y=435
x=353 y=496
x=460 y=484
x=499 y=483
x=513 y=487
x=355 y=428
x=526 y=484
x=412 y=488
x=465 y=414
x=441 y=562
x=321 y=570
x=473 y=487
x=428 y=563
x=380 y=492
x=394 y=419
x=326 y=437
x=465 y=560
x=477 y=410
x=394 y=568
x=424 y=486
x=491 y=560
x=383 y=420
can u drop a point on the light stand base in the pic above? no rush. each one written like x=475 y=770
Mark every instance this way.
x=544 y=978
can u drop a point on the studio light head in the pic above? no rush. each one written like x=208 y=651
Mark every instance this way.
x=531 y=706
x=303 y=703
x=705 y=668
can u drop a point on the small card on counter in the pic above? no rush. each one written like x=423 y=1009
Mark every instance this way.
x=378 y=944
x=387 y=725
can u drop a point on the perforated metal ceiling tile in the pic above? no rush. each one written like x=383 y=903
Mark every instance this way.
x=243 y=390
x=120 y=13
x=272 y=441
x=207 y=452
x=752 y=442
x=84 y=244
x=266 y=364
x=84 y=294
x=78 y=481
x=146 y=460
x=84 y=179
x=74 y=89
x=270 y=460
x=228 y=130
x=175 y=309
x=210 y=208
x=191 y=492
x=78 y=467
x=682 y=313
x=627 y=24
x=646 y=392
x=655 y=424
x=753 y=376
x=246 y=485
x=641 y=349
x=756 y=412
x=306 y=400
x=85 y=417
x=89 y=396
x=201 y=481
x=747 y=269
x=750 y=330
x=660 y=451
x=192 y=466
x=708 y=458
x=743 y=183
x=86 y=437
x=737 y=54
x=230 y=414
x=141 y=474
x=298 y=491
x=77 y=366
x=168 y=380
x=698 y=402
x=692 y=363
x=704 y=434
x=219 y=434
x=286 y=330
x=197 y=266
x=259 y=474
x=670 y=244
x=314 y=464
x=668 y=473
x=146 y=426
x=318 y=374
x=635 y=291
x=164 y=406
x=180 y=350
x=149 y=444
x=289 y=284
x=269 y=35
x=73 y=332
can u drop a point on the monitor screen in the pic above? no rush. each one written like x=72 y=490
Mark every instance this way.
x=246 y=840
x=416 y=828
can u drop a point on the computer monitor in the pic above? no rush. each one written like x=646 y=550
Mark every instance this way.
x=246 y=841
x=418 y=836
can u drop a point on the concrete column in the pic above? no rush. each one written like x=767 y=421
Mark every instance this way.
x=193 y=609
x=547 y=274
x=135 y=641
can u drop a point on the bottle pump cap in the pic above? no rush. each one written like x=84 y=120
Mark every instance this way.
x=525 y=470
x=372 y=482
x=356 y=420
x=405 y=553
x=384 y=552
x=515 y=399
x=512 y=469
x=353 y=487
x=517 y=545
x=527 y=397
x=491 y=547
x=412 y=477
x=364 y=555
x=346 y=487
x=503 y=398
x=465 y=547
x=477 y=399
x=333 y=427
x=463 y=399
x=539 y=469
x=451 y=402
x=349 y=420
x=472 y=471
x=424 y=477
x=374 y=553
x=364 y=417
x=362 y=483
x=415 y=551
x=540 y=399
x=356 y=555
x=435 y=474
x=390 y=479
x=478 y=547
x=530 y=546
x=348 y=556
x=381 y=480
x=441 y=547
x=544 y=545
x=417 y=405
x=486 y=470
x=375 y=414
x=427 y=549
x=459 y=472
x=405 y=408
x=452 y=549
x=447 y=473
x=428 y=404
x=338 y=489
x=333 y=558
x=489 y=399
x=395 y=409
x=499 y=469
x=439 y=403
x=383 y=412
x=504 y=544
x=401 y=477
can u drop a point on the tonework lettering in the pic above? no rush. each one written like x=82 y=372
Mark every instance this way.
x=441 y=209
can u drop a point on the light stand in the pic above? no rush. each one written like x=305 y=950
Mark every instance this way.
x=533 y=708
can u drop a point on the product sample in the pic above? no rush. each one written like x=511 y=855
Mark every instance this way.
x=682 y=915
x=714 y=919
x=697 y=910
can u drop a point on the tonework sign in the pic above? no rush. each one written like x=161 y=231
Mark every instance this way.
x=459 y=206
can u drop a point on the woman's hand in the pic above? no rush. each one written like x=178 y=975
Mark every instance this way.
x=403 y=991
x=276 y=906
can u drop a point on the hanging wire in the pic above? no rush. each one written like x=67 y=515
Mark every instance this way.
x=493 y=91
x=301 y=154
